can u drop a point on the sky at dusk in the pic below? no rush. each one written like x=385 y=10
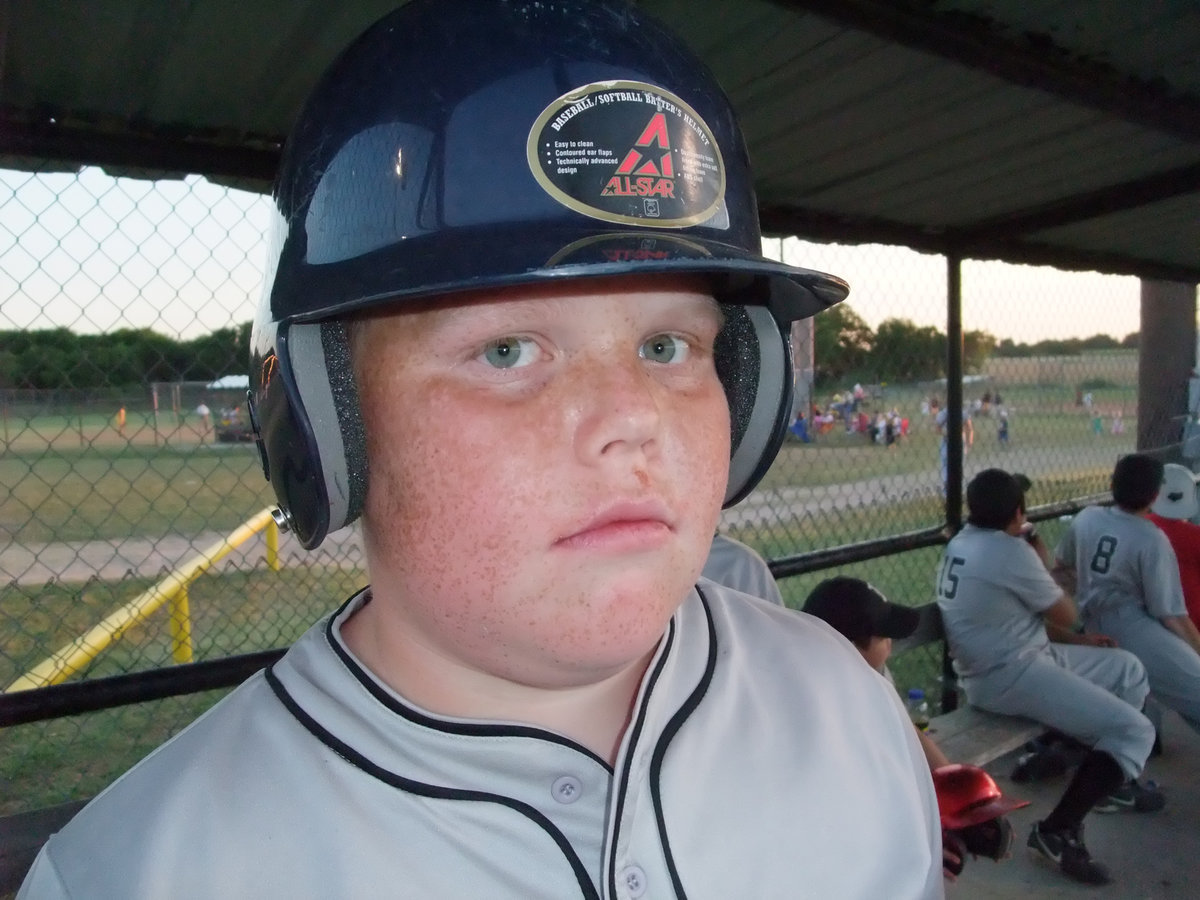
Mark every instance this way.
x=1025 y=303
x=95 y=253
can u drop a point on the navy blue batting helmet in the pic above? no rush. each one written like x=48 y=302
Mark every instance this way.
x=435 y=156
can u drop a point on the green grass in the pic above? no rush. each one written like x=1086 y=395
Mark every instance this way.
x=1043 y=425
x=51 y=762
x=231 y=612
x=109 y=493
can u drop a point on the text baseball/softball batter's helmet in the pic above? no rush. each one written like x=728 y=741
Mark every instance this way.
x=467 y=144
x=1177 y=496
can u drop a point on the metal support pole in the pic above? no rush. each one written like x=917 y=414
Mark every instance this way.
x=954 y=393
x=1166 y=362
x=954 y=435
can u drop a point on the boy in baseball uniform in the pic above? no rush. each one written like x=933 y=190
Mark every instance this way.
x=518 y=323
x=870 y=622
x=1126 y=578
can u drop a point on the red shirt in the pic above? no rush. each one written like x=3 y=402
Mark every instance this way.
x=1185 y=541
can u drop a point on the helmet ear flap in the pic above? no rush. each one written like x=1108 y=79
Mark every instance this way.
x=754 y=362
x=328 y=439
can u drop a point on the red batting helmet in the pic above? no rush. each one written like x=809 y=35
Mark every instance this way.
x=967 y=795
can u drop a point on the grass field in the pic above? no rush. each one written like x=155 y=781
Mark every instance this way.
x=1047 y=432
x=1068 y=372
x=52 y=762
x=115 y=492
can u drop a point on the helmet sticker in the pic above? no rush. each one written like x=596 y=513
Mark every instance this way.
x=624 y=247
x=630 y=153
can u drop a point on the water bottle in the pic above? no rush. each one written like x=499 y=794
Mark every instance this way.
x=918 y=708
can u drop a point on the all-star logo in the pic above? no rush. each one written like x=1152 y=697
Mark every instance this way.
x=629 y=153
x=647 y=169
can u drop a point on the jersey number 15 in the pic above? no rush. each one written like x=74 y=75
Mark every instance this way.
x=948 y=580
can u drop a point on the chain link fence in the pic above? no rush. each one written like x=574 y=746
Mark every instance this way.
x=124 y=320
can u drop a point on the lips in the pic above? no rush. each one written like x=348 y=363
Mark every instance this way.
x=622 y=527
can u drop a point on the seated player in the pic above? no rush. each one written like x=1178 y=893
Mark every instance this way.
x=1126 y=577
x=869 y=621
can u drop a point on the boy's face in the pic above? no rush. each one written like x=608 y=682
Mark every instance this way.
x=547 y=466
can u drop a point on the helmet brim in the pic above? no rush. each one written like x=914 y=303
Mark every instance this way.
x=461 y=260
x=982 y=812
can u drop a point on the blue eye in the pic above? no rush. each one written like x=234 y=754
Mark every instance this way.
x=509 y=353
x=665 y=348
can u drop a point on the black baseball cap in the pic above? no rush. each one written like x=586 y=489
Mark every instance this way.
x=859 y=611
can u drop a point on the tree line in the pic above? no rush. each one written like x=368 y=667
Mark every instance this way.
x=1069 y=346
x=900 y=350
x=58 y=358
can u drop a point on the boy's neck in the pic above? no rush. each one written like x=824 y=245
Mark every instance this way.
x=593 y=714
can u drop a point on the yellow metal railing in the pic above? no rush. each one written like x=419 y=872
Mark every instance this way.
x=173 y=589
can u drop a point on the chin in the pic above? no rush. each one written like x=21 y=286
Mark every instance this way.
x=636 y=619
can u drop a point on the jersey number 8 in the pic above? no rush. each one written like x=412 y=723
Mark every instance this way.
x=1102 y=559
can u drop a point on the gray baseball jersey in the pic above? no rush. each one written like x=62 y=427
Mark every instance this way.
x=1121 y=559
x=1128 y=579
x=992 y=591
x=738 y=566
x=760 y=753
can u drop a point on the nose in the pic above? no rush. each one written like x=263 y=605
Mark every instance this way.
x=618 y=411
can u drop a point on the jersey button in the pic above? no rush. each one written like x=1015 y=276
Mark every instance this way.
x=566 y=789
x=634 y=881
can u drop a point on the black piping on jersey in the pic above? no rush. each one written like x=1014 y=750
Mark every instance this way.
x=464 y=728
x=359 y=761
x=622 y=786
x=669 y=732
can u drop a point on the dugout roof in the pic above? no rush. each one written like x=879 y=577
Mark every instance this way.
x=1064 y=132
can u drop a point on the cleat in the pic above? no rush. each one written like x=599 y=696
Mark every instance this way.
x=1132 y=796
x=1066 y=850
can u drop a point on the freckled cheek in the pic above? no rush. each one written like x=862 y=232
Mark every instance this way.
x=704 y=442
x=446 y=479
